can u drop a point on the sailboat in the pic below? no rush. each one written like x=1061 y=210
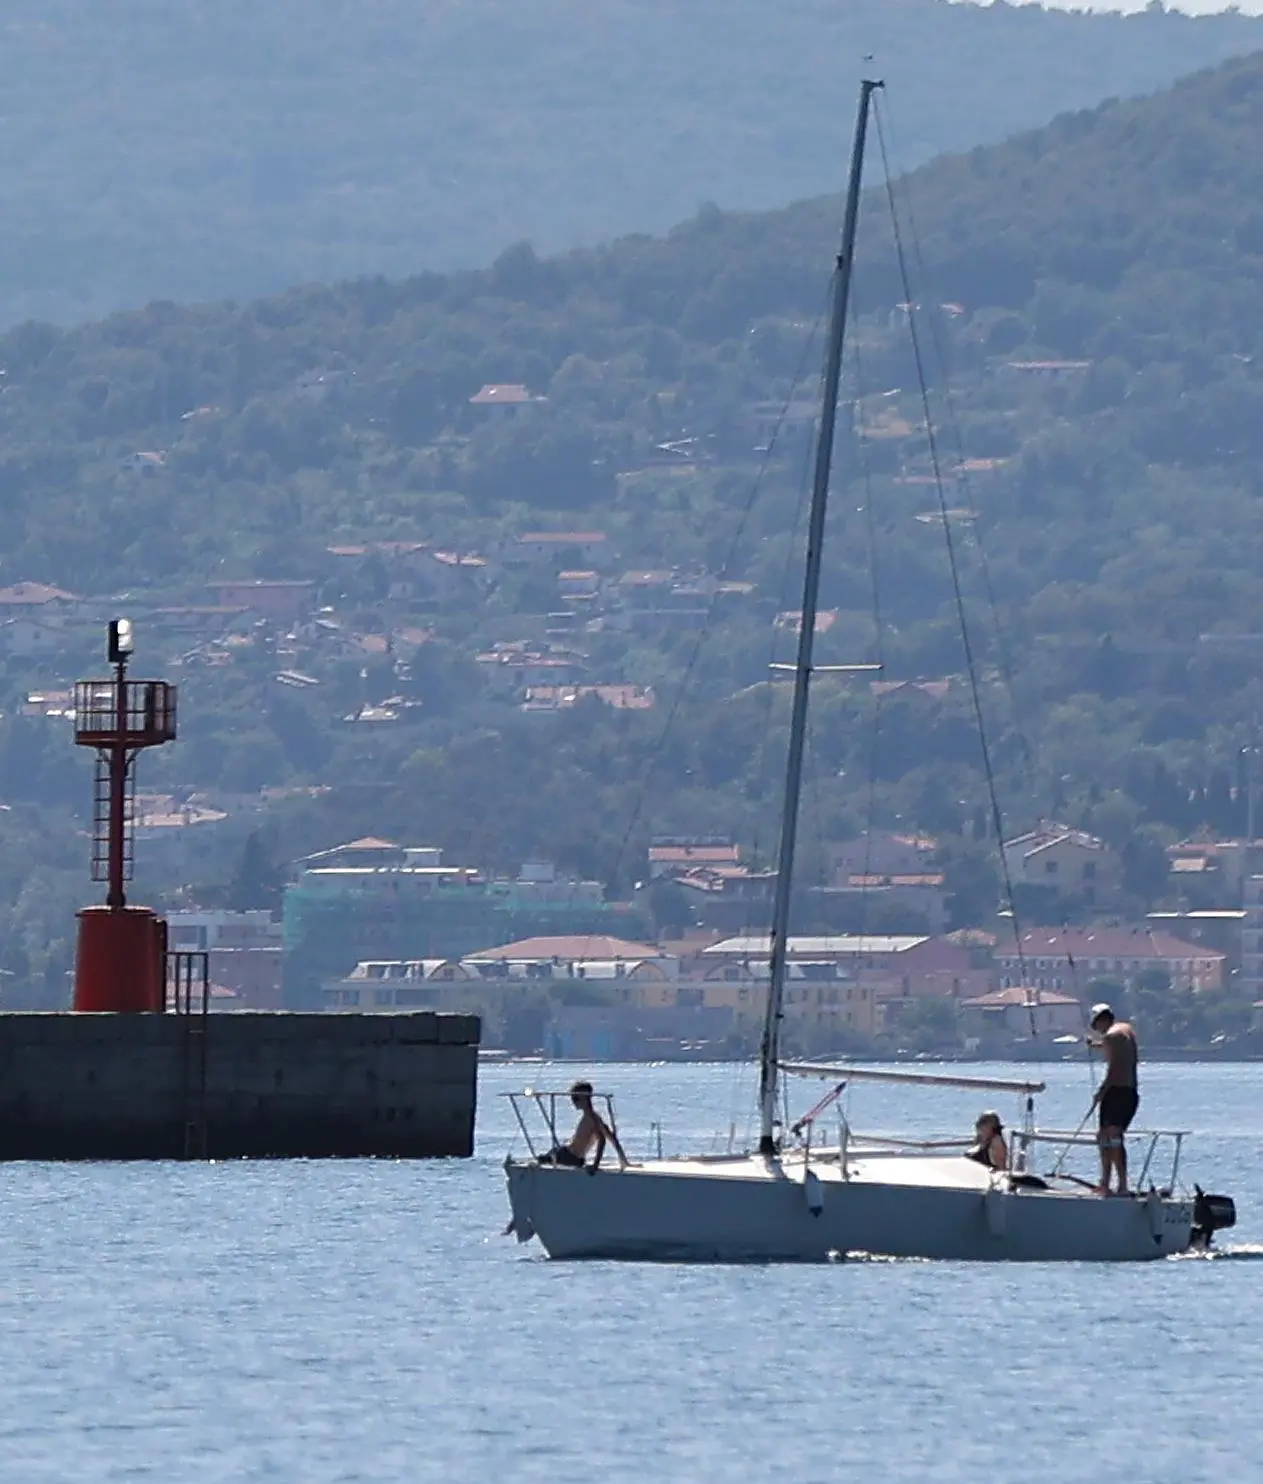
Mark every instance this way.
x=786 y=1200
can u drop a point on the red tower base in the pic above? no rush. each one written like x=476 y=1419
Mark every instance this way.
x=121 y=960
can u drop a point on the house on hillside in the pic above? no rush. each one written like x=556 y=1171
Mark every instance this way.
x=580 y=585
x=663 y=599
x=728 y=898
x=672 y=855
x=146 y=461
x=881 y=853
x=367 y=853
x=895 y=871
x=514 y=666
x=1213 y=870
x=1070 y=958
x=557 y=546
x=1064 y=862
x=35 y=598
x=566 y=697
x=178 y=836
x=503 y=399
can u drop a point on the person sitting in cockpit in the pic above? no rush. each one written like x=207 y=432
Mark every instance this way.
x=592 y=1130
x=989 y=1147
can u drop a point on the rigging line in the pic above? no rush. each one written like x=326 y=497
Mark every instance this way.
x=1078 y=993
x=870 y=529
x=704 y=632
x=1003 y=652
x=954 y=566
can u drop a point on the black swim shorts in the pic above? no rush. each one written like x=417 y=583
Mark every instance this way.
x=562 y=1155
x=1118 y=1107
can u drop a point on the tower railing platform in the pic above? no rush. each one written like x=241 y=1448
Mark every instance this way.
x=148 y=713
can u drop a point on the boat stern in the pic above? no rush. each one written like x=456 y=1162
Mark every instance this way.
x=520 y=1178
x=1211 y=1214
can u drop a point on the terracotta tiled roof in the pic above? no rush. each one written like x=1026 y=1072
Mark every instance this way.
x=695 y=855
x=1107 y=943
x=998 y=999
x=26 y=594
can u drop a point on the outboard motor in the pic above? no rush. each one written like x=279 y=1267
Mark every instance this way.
x=1211 y=1214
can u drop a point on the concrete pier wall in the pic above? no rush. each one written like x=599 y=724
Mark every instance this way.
x=275 y=1084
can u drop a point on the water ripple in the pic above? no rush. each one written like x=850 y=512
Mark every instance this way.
x=363 y=1323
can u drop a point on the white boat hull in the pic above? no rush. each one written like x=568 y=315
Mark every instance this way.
x=746 y=1209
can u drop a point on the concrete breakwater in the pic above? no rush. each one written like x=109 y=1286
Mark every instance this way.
x=224 y=1086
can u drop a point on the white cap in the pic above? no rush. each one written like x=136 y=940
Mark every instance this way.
x=1098 y=1011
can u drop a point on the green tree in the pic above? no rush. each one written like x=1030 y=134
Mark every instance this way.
x=258 y=881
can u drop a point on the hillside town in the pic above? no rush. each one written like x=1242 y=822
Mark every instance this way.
x=885 y=964
x=556 y=968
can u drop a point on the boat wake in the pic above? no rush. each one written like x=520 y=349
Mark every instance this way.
x=1244 y=1252
x=874 y=1257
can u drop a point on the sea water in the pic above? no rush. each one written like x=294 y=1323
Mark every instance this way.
x=365 y=1321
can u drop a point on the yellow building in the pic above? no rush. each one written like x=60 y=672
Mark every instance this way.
x=639 y=974
x=822 y=995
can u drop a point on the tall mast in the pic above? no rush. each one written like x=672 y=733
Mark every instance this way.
x=769 y=1051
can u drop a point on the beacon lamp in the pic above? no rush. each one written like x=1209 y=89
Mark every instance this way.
x=121 y=641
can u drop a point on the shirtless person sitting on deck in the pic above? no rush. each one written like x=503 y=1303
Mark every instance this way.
x=591 y=1129
x=1118 y=1096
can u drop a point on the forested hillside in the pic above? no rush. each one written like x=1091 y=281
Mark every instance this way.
x=184 y=149
x=1089 y=301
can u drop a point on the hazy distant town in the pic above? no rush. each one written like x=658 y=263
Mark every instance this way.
x=475 y=586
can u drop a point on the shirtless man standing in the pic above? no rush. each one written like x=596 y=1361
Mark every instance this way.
x=591 y=1129
x=1118 y=1096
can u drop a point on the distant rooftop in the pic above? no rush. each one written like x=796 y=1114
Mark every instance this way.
x=574 y=946
x=29 y=594
x=831 y=946
x=1108 y=942
x=695 y=853
x=1000 y=999
x=501 y=394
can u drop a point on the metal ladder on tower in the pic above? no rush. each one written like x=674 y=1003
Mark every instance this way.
x=101 y=821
